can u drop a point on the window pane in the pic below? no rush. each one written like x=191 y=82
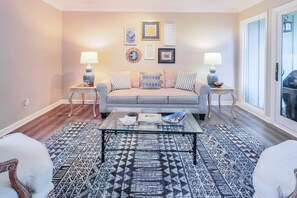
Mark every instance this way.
x=254 y=63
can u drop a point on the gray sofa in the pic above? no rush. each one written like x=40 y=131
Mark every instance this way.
x=165 y=97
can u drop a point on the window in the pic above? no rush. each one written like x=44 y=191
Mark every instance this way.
x=253 y=39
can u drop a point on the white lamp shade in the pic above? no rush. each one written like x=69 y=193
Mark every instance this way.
x=212 y=58
x=88 y=57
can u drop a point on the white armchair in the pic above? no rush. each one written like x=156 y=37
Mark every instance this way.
x=26 y=169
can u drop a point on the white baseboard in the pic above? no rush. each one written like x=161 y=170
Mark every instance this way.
x=78 y=101
x=215 y=102
x=270 y=121
x=28 y=119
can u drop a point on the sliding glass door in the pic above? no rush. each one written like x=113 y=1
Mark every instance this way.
x=286 y=68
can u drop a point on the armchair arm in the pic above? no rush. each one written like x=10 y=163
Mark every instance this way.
x=11 y=167
x=103 y=87
x=294 y=194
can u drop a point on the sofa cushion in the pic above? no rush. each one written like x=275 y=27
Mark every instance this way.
x=186 y=80
x=170 y=78
x=179 y=96
x=120 y=80
x=151 y=81
x=135 y=79
x=152 y=99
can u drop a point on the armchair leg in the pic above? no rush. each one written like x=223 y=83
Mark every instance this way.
x=11 y=166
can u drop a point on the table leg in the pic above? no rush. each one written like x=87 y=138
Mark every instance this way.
x=83 y=98
x=219 y=100
x=102 y=146
x=195 y=149
x=71 y=104
x=209 y=105
x=94 y=103
x=233 y=104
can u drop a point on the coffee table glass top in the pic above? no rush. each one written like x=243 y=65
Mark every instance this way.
x=112 y=122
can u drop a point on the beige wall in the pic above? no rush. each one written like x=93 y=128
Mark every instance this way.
x=266 y=6
x=30 y=58
x=104 y=32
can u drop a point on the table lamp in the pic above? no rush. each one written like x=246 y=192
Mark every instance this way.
x=212 y=59
x=89 y=58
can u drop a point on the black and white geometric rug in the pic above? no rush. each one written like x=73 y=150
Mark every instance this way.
x=226 y=160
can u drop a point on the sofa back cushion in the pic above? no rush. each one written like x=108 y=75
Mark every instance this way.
x=151 y=81
x=120 y=80
x=170 y=78
x=186 y=80
x=135 y=79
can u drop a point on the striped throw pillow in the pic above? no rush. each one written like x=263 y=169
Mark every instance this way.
x=151 y=81
x=186 y=80
x=120 y=80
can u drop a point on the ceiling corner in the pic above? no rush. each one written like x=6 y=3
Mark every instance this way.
x=54 y=4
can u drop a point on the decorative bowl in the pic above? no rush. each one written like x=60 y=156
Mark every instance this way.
x=218 y=84
x=176 y=118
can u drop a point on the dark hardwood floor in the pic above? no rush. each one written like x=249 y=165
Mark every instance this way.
x=46 y=125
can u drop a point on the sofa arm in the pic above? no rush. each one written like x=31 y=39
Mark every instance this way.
x=202 y=90
x=103 y=87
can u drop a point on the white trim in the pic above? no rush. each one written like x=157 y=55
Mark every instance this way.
x=54 y=4
x=28 y=119
x=78 y=101
x=270 y=121
x=261 y=116
x=241 y=97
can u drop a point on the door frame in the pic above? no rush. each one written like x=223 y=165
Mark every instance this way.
x=276 y=58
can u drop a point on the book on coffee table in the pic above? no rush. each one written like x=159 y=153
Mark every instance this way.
x=149 y=118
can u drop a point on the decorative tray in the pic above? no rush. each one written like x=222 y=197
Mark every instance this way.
x=176 y=118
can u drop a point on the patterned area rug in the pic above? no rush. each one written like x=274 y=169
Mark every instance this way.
x=226 y=160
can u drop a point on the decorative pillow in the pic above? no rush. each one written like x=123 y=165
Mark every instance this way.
x=162 y=78
x=186 y=80
x=120 y=80
x=170 y=78
x=151 y=81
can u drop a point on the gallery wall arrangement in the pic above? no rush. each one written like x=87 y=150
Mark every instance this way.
x=150 y=31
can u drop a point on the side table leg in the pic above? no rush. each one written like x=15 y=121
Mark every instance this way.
x=83 y=98
x=102 y=147
x=219 y=100
x=233 y=104
x=209 y=106
x=195 y=149
x=71 y=104
x=94 y=103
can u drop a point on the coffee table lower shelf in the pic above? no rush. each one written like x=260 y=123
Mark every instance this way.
x=194 y=144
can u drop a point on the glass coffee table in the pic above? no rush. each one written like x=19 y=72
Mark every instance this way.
x=112 y=124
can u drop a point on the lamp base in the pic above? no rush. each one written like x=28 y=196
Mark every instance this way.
x=212 y=77
x=89 y=77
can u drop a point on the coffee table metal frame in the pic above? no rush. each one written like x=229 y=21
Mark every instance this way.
x=112 y=124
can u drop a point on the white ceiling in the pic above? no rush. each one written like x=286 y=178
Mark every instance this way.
x=153 y=5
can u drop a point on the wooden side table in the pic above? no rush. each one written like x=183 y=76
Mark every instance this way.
x=80 y=88
x=222 y=91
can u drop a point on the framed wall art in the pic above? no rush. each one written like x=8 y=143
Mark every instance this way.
x=130 y=36
x=149 y=51
x=166 y=55
x=169 y=34
x=150 y=30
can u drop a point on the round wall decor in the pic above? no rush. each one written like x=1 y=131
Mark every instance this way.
x=133 y=55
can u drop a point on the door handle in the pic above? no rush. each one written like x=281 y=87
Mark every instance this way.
x=276 y=72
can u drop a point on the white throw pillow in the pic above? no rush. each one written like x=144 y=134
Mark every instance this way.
x=186 y=80
x=120 y=80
